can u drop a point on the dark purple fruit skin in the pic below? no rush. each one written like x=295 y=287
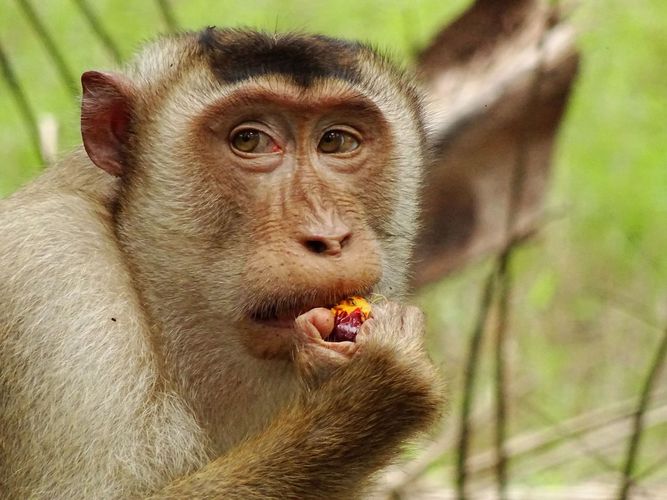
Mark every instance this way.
x=346 y=326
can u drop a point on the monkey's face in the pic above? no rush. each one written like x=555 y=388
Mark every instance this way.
x=276 y=199
x=253 y=190
x=307 y=175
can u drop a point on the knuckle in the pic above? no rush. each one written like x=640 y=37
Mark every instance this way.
x=415 y=317
x=387 y=310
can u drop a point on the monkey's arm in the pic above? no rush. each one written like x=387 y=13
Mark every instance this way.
x=327 y=444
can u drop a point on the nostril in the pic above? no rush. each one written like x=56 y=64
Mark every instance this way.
x=328 y=243
x=316 y=246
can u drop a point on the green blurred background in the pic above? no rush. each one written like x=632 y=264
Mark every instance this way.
x=590 y=298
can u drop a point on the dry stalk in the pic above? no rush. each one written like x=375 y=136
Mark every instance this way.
x=639 y=417
x=51 y=47
x=21 y=101
x=99 y=30
x=167 y=12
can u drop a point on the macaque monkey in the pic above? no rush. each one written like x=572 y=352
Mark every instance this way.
x=162 y=316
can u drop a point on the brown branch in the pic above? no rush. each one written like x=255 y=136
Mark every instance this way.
x=42 y=33
x=623 y=305
x=168 y=15
x=579 y=437
x=638 y=420
x=610 y=424
x=504 y=287
x=598 y=429
x=21 y=101
x=99 y=30
x=596 y=439
x=469 y=377
x=500 y=428
x=518 y=178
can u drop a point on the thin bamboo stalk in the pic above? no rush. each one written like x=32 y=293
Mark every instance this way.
x=638 y=421
x=469 y=378
x=167 y=12
x=66 y=74
x=99 y=30
x=21 y=101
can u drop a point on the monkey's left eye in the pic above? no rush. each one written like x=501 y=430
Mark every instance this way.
x=251 y=140
x=337 y=141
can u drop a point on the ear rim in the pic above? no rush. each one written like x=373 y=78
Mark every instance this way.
x=106 y=115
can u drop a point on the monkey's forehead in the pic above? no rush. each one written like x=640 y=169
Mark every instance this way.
x=235 y=55
x=211 y=63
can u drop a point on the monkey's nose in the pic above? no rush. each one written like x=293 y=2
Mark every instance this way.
x=327 y=244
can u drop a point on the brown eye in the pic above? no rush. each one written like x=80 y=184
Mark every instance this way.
x=337 y=141
x=251 y=140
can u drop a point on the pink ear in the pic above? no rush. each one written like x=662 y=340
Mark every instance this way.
x=105 y=119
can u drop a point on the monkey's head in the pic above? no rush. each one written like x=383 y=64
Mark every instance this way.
x=258 y=176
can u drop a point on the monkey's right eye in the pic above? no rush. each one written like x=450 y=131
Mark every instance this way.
x=251 y=140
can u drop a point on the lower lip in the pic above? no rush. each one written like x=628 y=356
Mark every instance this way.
x=286 y=324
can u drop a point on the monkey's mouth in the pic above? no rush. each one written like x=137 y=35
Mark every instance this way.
x=276 y=315
x=282 y=312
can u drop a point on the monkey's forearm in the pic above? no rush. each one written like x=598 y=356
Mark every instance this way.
x=328 y=443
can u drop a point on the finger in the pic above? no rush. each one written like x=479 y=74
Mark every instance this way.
x=414 y=321
x=317 y=323
x=317 y=362
x=345 y=348
x=365 y=330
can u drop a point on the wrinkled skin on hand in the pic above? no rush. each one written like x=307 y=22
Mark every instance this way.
x=394 y=329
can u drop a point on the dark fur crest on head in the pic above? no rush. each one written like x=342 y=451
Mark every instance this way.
x=236 y=55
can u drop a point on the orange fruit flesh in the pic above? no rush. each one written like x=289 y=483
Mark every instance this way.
x=351 y=304
x=349 y=314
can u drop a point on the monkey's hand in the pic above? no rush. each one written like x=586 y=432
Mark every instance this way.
x=394 y=329
x=383 y=391
x=314 y=357
x=378 y=392
x=396 y=332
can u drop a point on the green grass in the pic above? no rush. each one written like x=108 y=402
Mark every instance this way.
x=587 y=291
